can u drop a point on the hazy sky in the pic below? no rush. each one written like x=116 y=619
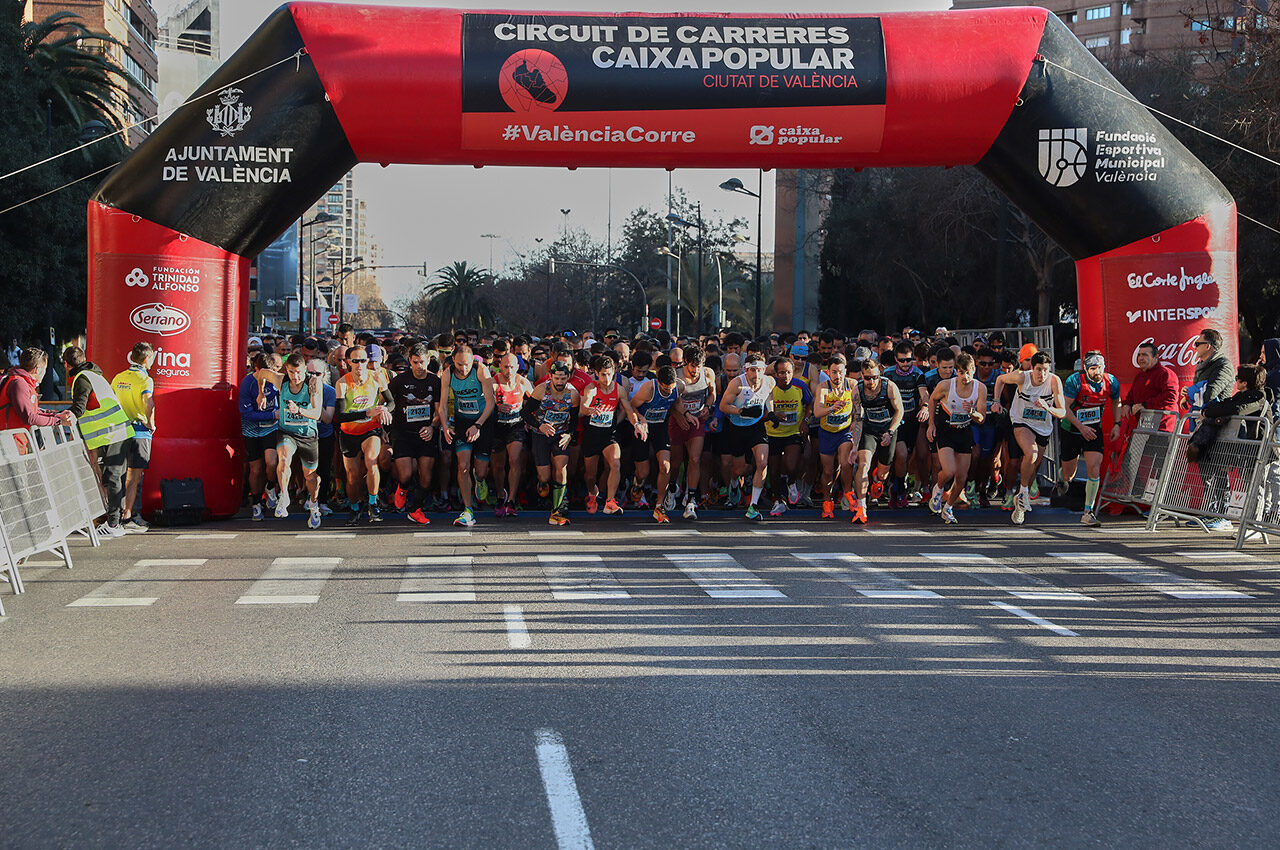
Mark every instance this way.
x=435 y=214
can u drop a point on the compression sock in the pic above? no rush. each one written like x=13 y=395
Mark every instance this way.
x=755 y=494
x=557 y=496
x=373 y=499
x=1091 y=487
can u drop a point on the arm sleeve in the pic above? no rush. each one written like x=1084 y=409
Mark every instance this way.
x=249 y=403
x=529 y=412
x=342 y=415
x=388 y=401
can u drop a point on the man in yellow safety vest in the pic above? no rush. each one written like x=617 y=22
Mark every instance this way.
x=105 y=427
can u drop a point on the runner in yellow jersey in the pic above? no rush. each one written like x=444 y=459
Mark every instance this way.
x=364 y=406
x=787 y=430
x=834 y=404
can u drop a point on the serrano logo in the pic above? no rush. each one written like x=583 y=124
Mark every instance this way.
x=137 y=277
x=1064 y=155
x=159 y=319
x=533 y=81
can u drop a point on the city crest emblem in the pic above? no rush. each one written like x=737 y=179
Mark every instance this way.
x=231 y=116
x=1064 y=157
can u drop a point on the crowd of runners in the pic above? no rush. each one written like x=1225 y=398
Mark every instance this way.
x=468 y=422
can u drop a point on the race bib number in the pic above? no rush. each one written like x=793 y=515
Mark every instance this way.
x=556 y=417
x=959 y=420
x=788 y=417
x=418 y=413
x=879 y=415
x=1035 y=414
x=1089 y=415
x=601 y=420
x=655 y=415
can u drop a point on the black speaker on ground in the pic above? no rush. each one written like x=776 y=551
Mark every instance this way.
x=182 y=501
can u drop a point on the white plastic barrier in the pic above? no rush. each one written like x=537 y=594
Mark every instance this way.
x=48 y=491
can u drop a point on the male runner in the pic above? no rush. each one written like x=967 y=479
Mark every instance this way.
x=746 y=400
x=687 y=423
x=510 y=435
x=601 y=403
x=909 y=379
x=417 y=394
x=654 y=401
x=833 y=404
x=787 y=428
x=364 y=406
x=470 y=432
x=551 y=412
x=962 y=402
x=1038 y=397
x=1087 y=392
x=882 y=412
x=301 y=400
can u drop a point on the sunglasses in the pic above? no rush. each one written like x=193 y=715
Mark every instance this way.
x=905 y=359
x=361 y=360
x=316 y=374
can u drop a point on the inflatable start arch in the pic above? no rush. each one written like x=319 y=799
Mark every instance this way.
x=321 y=87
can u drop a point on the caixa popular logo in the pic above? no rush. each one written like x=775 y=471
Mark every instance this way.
x=1064 y=155
x=159 y=319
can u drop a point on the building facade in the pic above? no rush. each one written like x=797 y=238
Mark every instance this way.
x=132 y=23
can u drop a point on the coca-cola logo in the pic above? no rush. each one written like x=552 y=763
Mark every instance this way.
x=159 y=319
x=1178 y=353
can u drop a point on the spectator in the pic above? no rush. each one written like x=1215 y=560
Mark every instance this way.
x=1155 y=387
x=20 y=397
x=105 y=428
x=1214 y=368
x=136 y=391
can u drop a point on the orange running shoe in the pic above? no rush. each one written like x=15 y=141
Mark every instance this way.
x=876 y=490
x=860 y=515
x=419 y=517
x=592 y=503
x=828 y=509
x=400 y=499
x=612 y=507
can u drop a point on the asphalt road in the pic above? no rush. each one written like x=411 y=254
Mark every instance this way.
x=791 y=684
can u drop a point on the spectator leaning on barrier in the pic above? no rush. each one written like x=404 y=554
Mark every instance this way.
x=1214 y=367
x=20 y=396
x=105 y=428
x=135 y=389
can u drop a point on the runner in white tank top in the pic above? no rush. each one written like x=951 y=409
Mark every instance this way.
x=1037 y=402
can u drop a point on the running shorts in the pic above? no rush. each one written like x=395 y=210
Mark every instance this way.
x=779 y=445
x=408 y=443
x=305 y=449
x=740 y=440
x=256 y=448
x=596 y=440
x=545 y=448
x=829 y=443
x=959 y=440
x=504 y=434
x=1074 y=444
x=352 y=445
x=139 y=453
x=480 y=448
x=870 y=442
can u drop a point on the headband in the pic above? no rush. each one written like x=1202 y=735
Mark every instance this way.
x=1092 y=360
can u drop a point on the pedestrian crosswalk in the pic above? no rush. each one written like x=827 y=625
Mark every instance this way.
x=566 y=576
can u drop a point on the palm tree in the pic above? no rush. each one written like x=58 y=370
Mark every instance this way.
x=74 y=72
x=457 y=297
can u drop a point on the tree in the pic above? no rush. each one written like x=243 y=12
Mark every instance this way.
x=73 y=72
x=43 y=243
x=457 y=297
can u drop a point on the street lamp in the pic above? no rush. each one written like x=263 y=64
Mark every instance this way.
x=679 y=255
x=321 y=218
x=644 y=323
x=733 y=184
x=675 y=219
x=346 y=272
x=490 y=237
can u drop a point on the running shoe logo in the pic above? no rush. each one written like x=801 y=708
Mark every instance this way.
x=533 y=81
x=1064 y=155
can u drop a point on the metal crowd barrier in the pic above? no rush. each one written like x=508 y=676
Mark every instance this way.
x=1262 y=508
x=1134 y=480
x=48 y=491
x=1221 y=483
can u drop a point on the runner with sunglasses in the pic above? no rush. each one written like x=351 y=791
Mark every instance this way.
x=364 y=406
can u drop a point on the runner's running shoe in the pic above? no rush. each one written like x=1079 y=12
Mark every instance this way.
x=375 y=514
x=419 y=517
x=660 y=514
x=860 y=515
x=313 y=519
x=876 y=490
x=779 y=508
x=592 y=503
x=399 y=499
x=1090 y=519
x=558 y=518
x=828 y=509
x=466 y=519
x=948 y=516
x=754 y=514
x=691 y=510
x=935 y=501
x=612 y=508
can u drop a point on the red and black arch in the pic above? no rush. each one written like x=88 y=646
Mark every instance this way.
x=1009 y=90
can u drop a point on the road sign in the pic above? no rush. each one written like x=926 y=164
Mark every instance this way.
x=655 y=323
x=333 y=318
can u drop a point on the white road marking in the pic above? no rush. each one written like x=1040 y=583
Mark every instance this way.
x=782 y=532
x=22 y=568
x=208 y=535
x=577 y=577
x=438 y=579
x=291 y=581
x=1166 y=583
x=1012 y=531
x=991 y=572
x=897 y=532
x=326 y=535
x=563 y=532
x=669 y=532
x=722 y=577
x=567 y=816
x=140 y=585
x=872 y=582
x=1039 y=621
x=517 y=631
x=1229 y=555
x=444 y=536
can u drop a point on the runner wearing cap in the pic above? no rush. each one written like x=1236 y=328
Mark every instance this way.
x=1087 y=393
